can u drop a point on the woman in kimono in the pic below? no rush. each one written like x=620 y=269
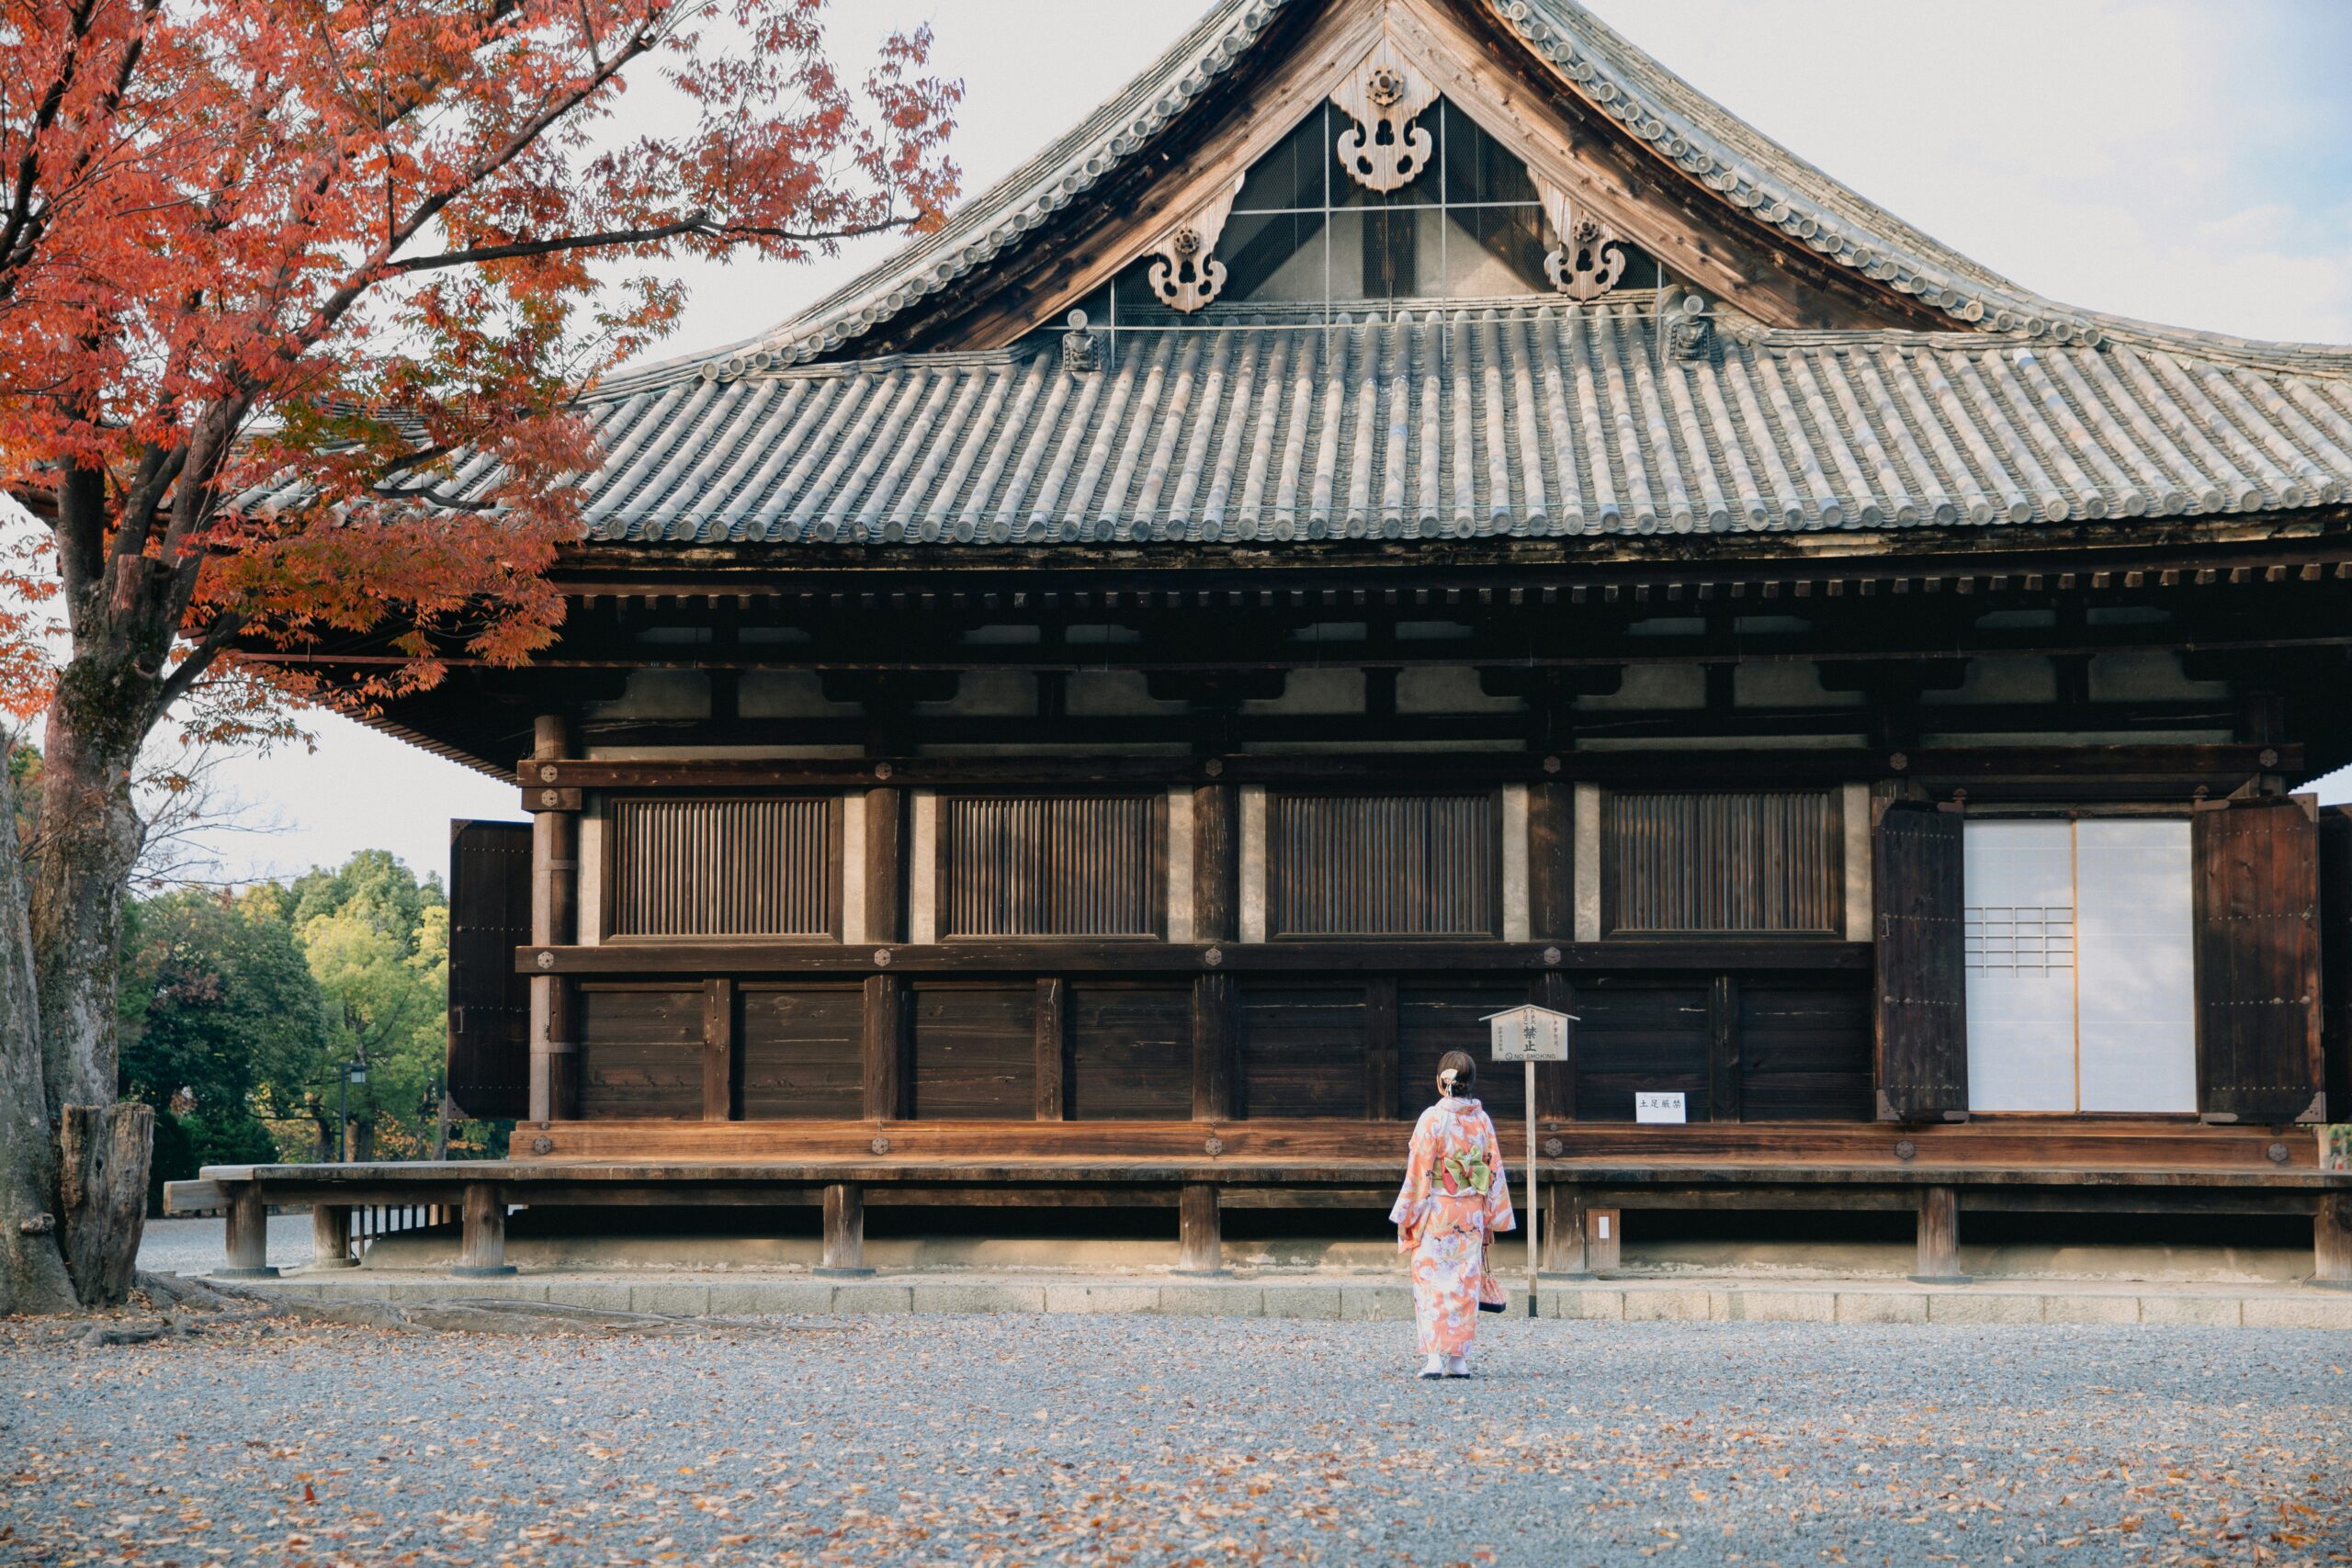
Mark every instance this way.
x=1454 y=1198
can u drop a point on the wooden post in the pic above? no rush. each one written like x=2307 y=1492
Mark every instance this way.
x=331 y=1236
x=2331 y=1242
x=1200 y=1232
x=555 y=914
x=1723 y=1050
x=1051 y=1064
x=482 y=1248
x=1382 y=1092
x=844 y=1231
x=884 y=1048
x=1551 y=875
x=718 y=1050
x=1940 y=1236
x=885 y=876
x=1564 y=1223
x=248 y=1234
x=1555 y=1082
x=1216 y=864
x=1217 y=1002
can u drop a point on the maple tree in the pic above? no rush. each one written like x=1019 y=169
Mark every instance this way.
x=359 y=240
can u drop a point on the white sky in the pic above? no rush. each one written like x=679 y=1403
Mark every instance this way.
x=2183 y=161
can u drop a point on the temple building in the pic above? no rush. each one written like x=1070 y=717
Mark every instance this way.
x=1406 y=511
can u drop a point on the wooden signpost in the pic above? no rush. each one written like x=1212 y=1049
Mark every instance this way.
x=1530 y=1034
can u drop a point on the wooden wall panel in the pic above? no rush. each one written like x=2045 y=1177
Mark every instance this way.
x=1919 y=887
x=753 y=867
x=488 y=1062
x=1052 y=865
x=1383 y=866
x=1640 y=1038
x=1434 y=1019
x=1130 y=1051
x=800 y=1050
x=2258 y=960
x=640 y=1051
x=1804 y=1053
x=1303 y=1051
x=1724 y=862
x=976 y=1051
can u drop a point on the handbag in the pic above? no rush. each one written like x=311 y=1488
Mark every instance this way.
x=1490 y=1289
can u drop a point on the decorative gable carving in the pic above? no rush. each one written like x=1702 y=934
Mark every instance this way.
x=1591 y=256
x=1385 y=150
x=1188 y=275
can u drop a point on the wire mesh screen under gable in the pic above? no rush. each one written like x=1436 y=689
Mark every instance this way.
x=1725 y=863
x=756 y=867
x=1052 y=865
x=1383 y=866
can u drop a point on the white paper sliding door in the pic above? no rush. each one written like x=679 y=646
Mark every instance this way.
x=2018 y=879
x=2081 y=977
x=2137 y=1009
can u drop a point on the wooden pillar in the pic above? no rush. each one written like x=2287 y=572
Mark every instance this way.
x=1564 y=1223
x=1940 y=1236
x=844 y=1231
x=885 y=1048
x=248 y=1234
x=718 y=1050
x=1201 y=1233
x=1723 y=1051
x=482 y=1248
x=1217 y=1006
x=331 y=1236
x=555 y=915
x=1603 y=1236
x=1052 y=1062
x=1551 y=871
x=2331 y=1242
x=1382 y=1092
x=1555 y=1082
x=886 y=873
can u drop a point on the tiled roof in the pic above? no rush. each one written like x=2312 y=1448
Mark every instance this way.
x=1526 y=422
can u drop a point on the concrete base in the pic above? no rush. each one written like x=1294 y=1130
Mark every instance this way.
x=495 y=1271
x=1366 y=1297
x=1939 y=1278
x=264 y=1273
x=824 y=1273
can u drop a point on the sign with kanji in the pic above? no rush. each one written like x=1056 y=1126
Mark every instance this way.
x=1528 y=1034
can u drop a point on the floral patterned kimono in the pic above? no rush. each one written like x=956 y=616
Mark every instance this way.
x=1445 y=1223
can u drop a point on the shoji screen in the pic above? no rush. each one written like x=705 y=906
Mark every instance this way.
x=2081 y=970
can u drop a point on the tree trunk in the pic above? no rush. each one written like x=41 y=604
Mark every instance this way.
x=32 y=1270
x=103 y=1153
x=88 y=843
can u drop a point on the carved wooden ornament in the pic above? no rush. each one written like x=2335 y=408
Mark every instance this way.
x=1188 y=275
x=1590 y=258
x=1385 y=150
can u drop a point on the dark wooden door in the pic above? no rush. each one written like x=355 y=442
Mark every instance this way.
x=2336 y=954
x=1921 y=1028
x=490 y=1004
x=2257 y=961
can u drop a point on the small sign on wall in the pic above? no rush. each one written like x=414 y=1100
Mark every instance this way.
x=1648 y=1107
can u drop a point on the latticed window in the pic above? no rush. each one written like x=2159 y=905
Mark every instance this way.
x=1725 y=863
x=1383 y=866
x=754 y=867
x=1052 y=865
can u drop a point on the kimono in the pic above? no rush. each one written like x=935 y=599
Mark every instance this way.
x=1445 y=1223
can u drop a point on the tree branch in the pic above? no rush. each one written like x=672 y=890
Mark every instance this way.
x=699 y=224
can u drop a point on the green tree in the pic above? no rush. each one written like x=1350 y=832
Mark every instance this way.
x=217 y=999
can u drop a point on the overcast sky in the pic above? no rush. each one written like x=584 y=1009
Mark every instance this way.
x=2182 y=161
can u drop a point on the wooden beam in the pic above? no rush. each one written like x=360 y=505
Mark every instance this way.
x=1216 y=850
x=1551 y=873
x=2332 y=1241
x=885 y=876
x=1053 y=1056
x=1555 y=1082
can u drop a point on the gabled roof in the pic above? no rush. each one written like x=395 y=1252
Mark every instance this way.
x=1715 y=149
x=1518 y=418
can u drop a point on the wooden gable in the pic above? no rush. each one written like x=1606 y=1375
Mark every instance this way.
x=1460 y=50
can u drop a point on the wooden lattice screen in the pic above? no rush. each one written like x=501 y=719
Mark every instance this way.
x=758 y=867
x=1052 y=865
x=1382 y=866
x=1725 y=863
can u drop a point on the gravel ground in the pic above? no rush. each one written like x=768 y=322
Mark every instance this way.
x=193 y=1246
x=1153 y=1441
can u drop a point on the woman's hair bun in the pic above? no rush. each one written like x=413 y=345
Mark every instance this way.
x=1463 y=1067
